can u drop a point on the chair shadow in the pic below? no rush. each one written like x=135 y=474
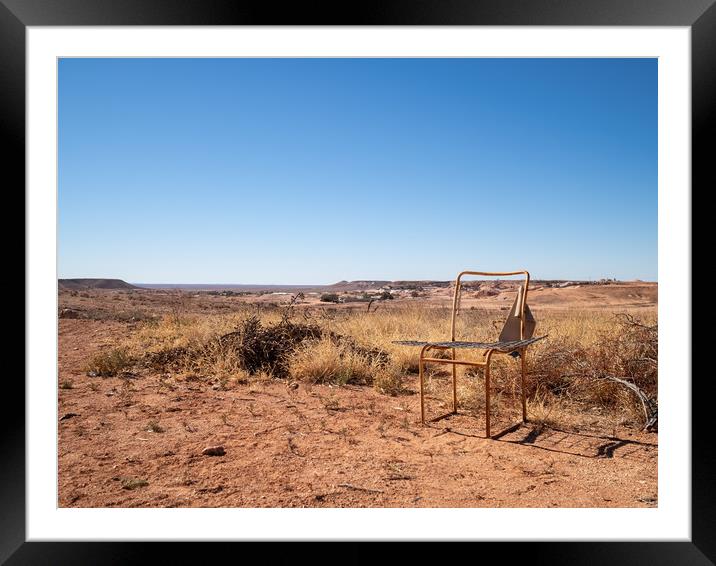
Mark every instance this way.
x=601 y=446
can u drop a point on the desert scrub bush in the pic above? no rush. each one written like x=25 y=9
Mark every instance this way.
x=169 y=358
x=262 y=348
x=388 y=379
x=163 y=345
x=336 y=362
x=339 y=359
x=255 y=347
x=636 y=352
x=111 y=363
x=625 y=349
x=229 y=346
x=553 y=365
x=545 y=410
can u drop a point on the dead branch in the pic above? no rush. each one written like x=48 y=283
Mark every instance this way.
x=629 y=320
x=650 y=408
x=359 y=488
x=266 y=431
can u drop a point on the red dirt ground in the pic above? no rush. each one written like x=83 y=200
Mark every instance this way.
x=316 y=446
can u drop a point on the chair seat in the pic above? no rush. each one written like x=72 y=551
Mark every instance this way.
x=504 y=346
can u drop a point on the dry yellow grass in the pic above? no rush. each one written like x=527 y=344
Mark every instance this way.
x=324 y=361
x=587 y=341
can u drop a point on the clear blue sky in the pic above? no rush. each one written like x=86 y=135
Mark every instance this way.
x=308 y=171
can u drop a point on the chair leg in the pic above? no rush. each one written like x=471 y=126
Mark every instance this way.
x=422 y=393
x=454 y=384
x=487 y=399
x=522 y=385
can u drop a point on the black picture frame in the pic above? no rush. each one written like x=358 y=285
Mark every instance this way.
x=699 y=15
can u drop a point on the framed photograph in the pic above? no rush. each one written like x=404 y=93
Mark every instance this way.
x=419 y=275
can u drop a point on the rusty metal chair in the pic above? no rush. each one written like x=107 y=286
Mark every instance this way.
x=515 y=337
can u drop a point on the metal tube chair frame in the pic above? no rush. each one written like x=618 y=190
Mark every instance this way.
x=487 y=354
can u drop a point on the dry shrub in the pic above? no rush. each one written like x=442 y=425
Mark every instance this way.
x=256 y=347
x=553 y=365
x=221 y=345
x=167 y=358
x=405 y=359
x=545 y=410
x=327 y=361
x=635 y=353
x=388 y=379
x=627 y=350
x=339 y=360
x=111 y=363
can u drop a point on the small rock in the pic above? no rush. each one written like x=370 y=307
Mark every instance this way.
x=293 y=385
x=70 y=313
x=217 y=489
x=91 y=374
x=131 y=483
x=214 y=451
x=68 y=416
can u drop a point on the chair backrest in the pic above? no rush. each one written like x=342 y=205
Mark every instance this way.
x=512 y=329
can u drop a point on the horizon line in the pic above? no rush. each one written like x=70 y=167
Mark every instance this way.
x=139 y=283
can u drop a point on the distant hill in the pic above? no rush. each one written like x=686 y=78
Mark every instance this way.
x=84 y=284
x=357 y=285
x=348 y=286
x=229 y=287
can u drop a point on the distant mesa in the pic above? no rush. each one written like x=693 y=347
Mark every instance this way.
x=485 y=288
x=84 y=284
x=358 y=285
